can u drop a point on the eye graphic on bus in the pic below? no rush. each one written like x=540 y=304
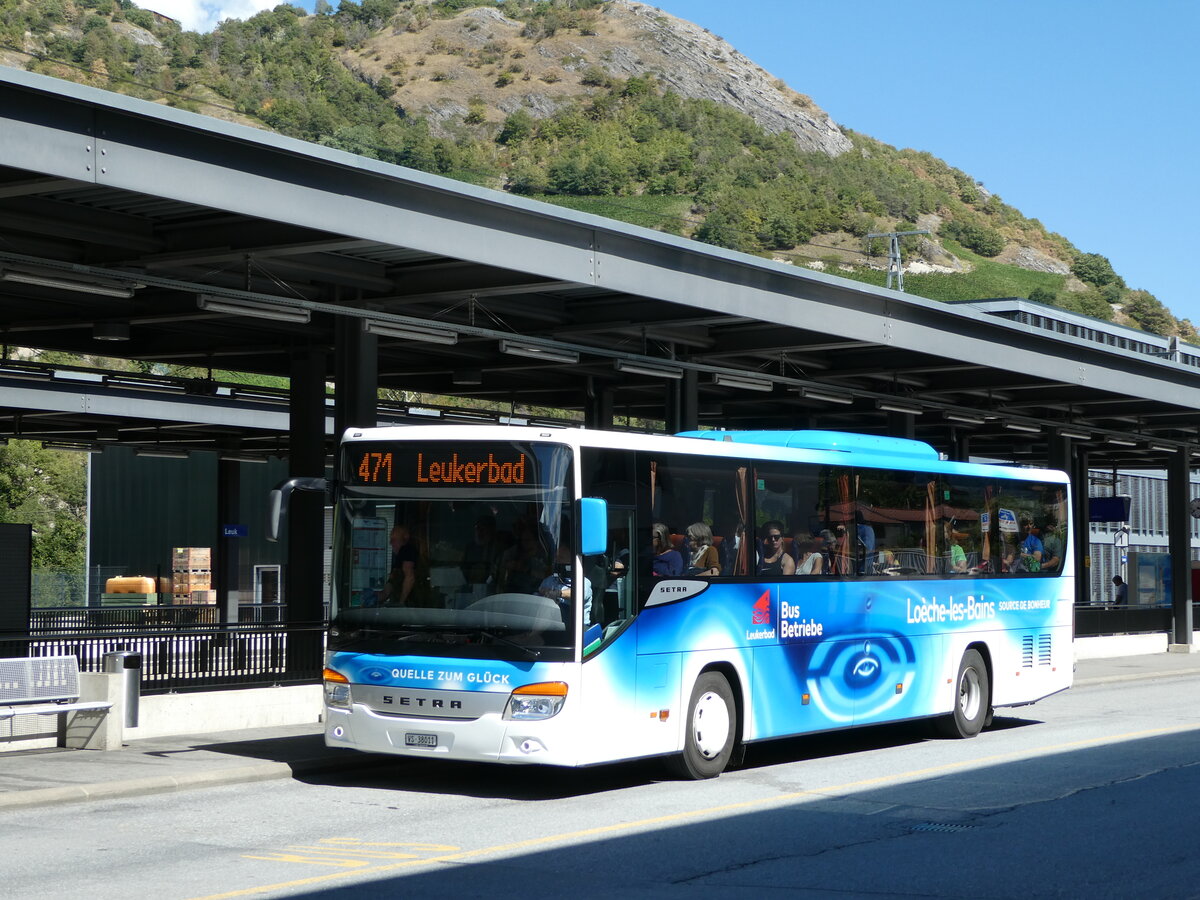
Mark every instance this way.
x=864 y=670
x=854 y=678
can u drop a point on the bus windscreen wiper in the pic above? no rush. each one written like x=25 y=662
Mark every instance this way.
x=501 y=639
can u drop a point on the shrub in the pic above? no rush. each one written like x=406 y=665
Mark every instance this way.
x=980 y=238
x=594 y=76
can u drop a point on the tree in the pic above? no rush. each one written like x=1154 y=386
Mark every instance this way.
x=1043 y=295
x=45 y=489
x=517 y=127
x=1095 y=269
x=1146 y=309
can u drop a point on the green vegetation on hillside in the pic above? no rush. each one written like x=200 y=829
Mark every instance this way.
x=625 y=148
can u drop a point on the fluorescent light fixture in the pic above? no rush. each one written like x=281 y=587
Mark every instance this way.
x=966 y=418
x=1121 y=442
x=633 y=367
x=255 y=310
x=744 y=382
x=163 y=454
x=410 y=332
x=230 y=457
x=82 y=287
x=1163 y=448
x=827 y=397
x=1075 y=435
x=1021 y=426
x=66 y=445
x=535 y=351
x=72 y=375
x=108 y=433
x=466 y=376
x=897 y=407
x=110 y=331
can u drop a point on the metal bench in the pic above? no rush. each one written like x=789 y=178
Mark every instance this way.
x=43 y=685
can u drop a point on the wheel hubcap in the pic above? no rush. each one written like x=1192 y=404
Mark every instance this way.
x=970 y=697
x=710 y=725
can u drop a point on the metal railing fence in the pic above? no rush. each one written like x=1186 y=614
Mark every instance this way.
x=183 y=656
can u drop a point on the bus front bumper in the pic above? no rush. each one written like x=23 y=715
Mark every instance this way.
x=489 y=738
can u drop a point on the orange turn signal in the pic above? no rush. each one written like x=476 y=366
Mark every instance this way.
x=544 y=688
x=331 y=675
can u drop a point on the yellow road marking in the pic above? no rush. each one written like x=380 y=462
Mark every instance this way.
x=600 y=830
x=347 y=842
x=311 y=861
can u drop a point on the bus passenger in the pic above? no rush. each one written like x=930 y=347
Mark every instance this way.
x=667 y=561
x=705 y=560
x=1052 y=547
x=773 y=561
x=559 y=584
x=1032 y=550
x=810 y=559
x=958 y=556
x=403 y=576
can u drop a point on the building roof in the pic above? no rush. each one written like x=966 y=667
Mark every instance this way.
x=182 y=233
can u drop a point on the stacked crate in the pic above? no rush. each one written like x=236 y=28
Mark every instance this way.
x=191 y=576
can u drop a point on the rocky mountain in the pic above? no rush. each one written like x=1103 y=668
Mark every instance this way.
x=464 y=57
x=611 y=106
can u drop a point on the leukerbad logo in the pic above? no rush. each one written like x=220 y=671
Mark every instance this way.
x=761 y=618
x=762 y=610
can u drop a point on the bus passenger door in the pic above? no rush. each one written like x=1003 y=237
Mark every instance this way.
x=611 y=676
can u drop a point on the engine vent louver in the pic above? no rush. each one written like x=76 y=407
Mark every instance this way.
x=1043 y=649
x=1036 y=650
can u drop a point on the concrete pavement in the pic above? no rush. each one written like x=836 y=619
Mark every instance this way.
x=34 y=778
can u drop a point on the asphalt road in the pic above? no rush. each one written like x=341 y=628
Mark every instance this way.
x=1092 y=793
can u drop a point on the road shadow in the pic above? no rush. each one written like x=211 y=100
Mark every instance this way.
x=534 y=783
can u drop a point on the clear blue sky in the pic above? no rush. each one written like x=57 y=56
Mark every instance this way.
x=1084 y=114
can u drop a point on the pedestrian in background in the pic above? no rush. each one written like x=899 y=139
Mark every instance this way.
x=1120 y=591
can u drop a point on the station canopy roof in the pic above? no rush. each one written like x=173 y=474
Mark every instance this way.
x=133 y=230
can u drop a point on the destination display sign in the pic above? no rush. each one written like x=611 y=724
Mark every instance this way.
x=434 y=465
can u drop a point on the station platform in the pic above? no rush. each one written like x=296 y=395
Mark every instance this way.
x=36 y=778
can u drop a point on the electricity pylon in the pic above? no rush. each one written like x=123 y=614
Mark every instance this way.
x=894 y=264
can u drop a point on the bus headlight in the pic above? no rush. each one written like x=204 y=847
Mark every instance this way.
x=337 y=689
x=536 y=701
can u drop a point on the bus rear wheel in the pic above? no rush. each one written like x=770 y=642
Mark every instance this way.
x=972 y=702
x=709 y=737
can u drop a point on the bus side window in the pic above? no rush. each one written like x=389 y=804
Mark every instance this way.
x=704 y=505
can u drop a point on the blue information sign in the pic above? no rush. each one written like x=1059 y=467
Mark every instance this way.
x=233 y=530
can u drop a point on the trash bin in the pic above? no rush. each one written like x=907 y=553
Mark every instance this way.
x=128 y=665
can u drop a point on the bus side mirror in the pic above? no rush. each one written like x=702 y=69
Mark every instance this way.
x=593 y=526
x=278 y=502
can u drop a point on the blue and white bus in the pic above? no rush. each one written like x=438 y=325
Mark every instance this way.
x=573 y=597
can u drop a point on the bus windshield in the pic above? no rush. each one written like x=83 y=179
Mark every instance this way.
x=454 y=549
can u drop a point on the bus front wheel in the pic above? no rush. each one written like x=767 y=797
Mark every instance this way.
x=709 y=737
x=972 y=700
